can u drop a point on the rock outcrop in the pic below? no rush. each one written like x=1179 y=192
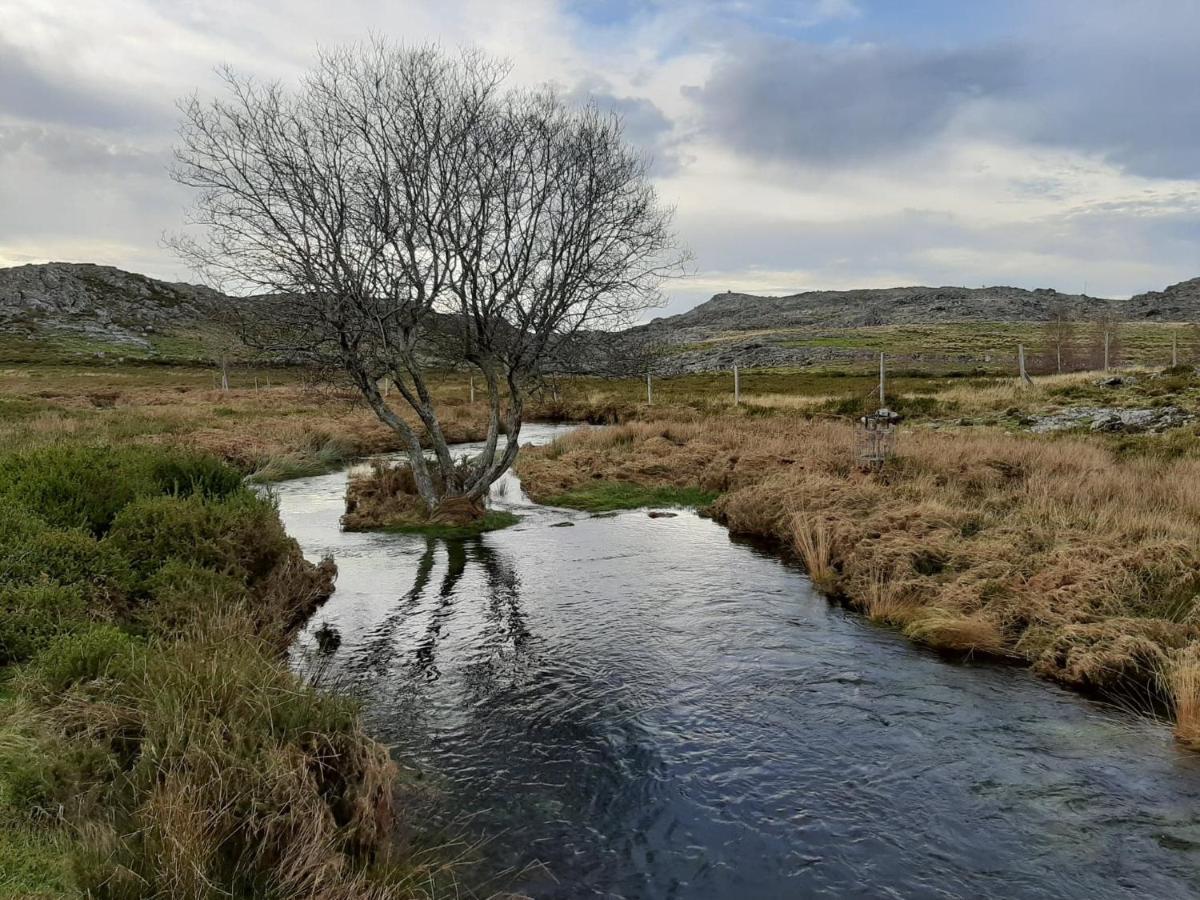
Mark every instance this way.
x=100 y=303
x=1113 y=419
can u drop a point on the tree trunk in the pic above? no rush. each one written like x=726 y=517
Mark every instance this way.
x=416 y=454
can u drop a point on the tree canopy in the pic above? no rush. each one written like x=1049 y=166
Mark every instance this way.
x=402 y=210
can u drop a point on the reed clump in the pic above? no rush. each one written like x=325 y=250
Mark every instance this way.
x=1058 y=553
x=1183 y=683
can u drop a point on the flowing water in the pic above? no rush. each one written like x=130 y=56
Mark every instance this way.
x=649 y=709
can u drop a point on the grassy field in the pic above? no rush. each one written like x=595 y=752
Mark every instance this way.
x=270 y=422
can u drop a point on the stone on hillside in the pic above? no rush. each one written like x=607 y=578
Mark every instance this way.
x=1112 y=419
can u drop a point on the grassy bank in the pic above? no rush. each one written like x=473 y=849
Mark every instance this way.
x=284 y=428
x=1062 y=554
x=153 y=741
x=607 y=496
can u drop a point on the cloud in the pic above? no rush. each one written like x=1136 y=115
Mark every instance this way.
x=646 y=126
x=1114 y=79
x=73 y=151
x=1111 y=79
x=831 y=105
x=29 y=92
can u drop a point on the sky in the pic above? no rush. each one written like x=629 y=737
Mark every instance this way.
x=804 y=145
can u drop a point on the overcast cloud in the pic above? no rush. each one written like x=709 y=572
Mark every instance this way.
x=813 y=144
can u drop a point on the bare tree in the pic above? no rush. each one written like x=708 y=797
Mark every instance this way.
x=1060 y=335
x=1105 y=337
x=403 y=211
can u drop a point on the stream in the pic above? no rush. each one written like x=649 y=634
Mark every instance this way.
x=644 y=707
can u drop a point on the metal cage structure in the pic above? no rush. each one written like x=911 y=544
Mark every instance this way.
x=876 y=439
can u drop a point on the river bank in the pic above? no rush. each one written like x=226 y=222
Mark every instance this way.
x=1055 y=554
x=153 y=741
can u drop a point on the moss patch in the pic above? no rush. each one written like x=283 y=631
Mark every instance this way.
x=605 y=496
x=493 y=521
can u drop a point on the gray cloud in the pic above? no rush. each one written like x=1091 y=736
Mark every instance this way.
x=646 y=126
x=74 y=151
x=1113 y=79
x=1145 y=118
x=833 y=104
x=29 y=92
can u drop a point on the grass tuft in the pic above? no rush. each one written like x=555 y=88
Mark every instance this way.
x=814 y=544
x=1183 y=682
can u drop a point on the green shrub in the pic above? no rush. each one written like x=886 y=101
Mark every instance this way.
x=181 y=593
x=71 y=487
x=189 y=760
x=240 y=536
x=85 y=487
x=71 y=557
x=101 y=651
x=184 y=474
x=33 y=615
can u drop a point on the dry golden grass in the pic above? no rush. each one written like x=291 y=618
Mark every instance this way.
x=1003 y=393
x=280 y=431
x=1183 y=681
x=812 y=542
x=1053 y=552
x=787 y=401
x=949 y=630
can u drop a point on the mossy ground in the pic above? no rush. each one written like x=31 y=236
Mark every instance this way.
x=493 y=520
x=607 y=496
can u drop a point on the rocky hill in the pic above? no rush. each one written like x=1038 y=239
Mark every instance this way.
x=1177 y=303
x=85 y=309
x=777 y=331
x=920 y=306
x=101 y=308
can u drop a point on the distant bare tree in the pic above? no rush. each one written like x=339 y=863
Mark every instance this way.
x=1060 y=335
x=1105 y=338
x=404 y=211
